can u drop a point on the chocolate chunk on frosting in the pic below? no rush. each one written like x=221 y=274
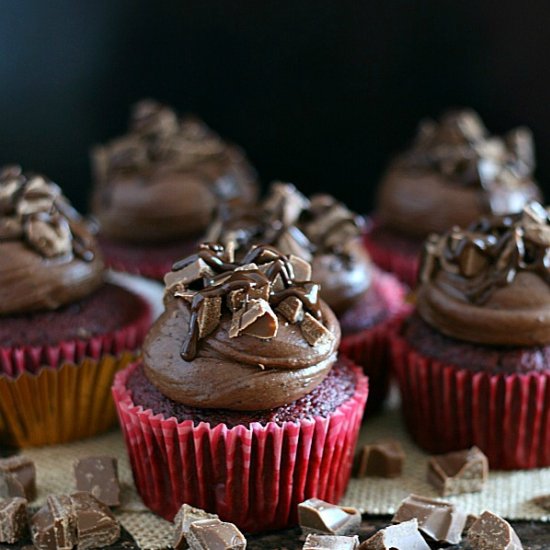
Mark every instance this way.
x=490 y=283
x=164 y=178
x=252 y=332
x=455 y=171
x=320 y=230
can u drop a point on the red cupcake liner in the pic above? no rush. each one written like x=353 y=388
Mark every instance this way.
x=370 y=349
x=447 y=408
x=151 y=262
x=17 y=360
x=254 y=476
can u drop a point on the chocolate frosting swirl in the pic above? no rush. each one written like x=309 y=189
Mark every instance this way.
x=163 y=179
x=490 y=283
x=247 y=334
x=320 y=230
x=454 y=173
x=48 y=257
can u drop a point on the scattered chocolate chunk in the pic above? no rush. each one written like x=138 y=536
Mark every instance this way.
x=543 y=501
x=53 y=527
x=23 y=469
x=458 y=472
x=403 y=536
x=470 y=520
x=13 y=519
x=183 y=520
x=440 y=521
x=96 y=527
x=491 y=532
x=319 y=517
x=10 y=486
x=207 y=534
x=381 y=459
x=331 y=542
x=99 y=476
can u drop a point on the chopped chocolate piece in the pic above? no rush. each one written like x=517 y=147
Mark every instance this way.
x=319 y=517
x=183 y=520
x=458 y=472
x=543 y=501
x=314 y=331
x=331 y=542
x=381 y=459
x=291 y=309
x=10 y=486
x=96 y=527
x=301 y=268
x=491 y=532
x=13 y=519
x=208 y=534
x=439 y=520
x=209 y=315
x=403 y=536
x=53 y=527
x=23 y=469
x=255 y=318
x=188 y=274
x=99 y=476
x=470 y=520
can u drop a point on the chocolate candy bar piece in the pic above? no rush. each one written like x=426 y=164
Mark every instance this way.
x=331 y=542
x=13 y=519
x=381 y=459
x=98 y=475
x=23 y=469
x=96 y=527
x=403 y=536
x=458 y=472
x=440 y=521
x=53 y=527
x=319 y=517
x=207 y=534
x=184 y=518
x=10 y=486
x=491 y=532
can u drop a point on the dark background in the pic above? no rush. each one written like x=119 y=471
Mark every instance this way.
x=318 y=92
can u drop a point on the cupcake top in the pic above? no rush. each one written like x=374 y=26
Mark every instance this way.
x=455 y=172
x=48 y=257
x=490 y=283
x=320 y=230
x=246 y=333
x=165 y=177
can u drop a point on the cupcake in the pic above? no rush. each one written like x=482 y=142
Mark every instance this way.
x=473 y=360
x=241 y=405
x=453 y=173
x=157 y=187
x=326 y=233
x=64 y=331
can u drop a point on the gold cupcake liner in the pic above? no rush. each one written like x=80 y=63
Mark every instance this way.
x=60 y=405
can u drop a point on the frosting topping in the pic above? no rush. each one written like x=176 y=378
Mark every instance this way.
x=490 y=283
x=47 y=255
x=320 y=230
x=245 y=333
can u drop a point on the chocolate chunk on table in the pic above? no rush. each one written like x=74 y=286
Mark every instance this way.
x=23 y=469
x=207 y=534
x=380 y=459
x=10 y=486
x=183 y=520
x=98 y=475
x=403 y=536
x=458 y=472
x=13 y=519
x=331 y=542
x=491 y=532
x=441 y=521
x=318 y=517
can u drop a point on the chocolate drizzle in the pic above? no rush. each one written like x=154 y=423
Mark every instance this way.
x=255 y=288
x=491 y=252
x=33 y=210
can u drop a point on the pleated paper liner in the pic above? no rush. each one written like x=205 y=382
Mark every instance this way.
x=15 y=361
x=369 y=348
x=252 y=475
x=447 y=408
x=61 y=404
x=151 y=261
